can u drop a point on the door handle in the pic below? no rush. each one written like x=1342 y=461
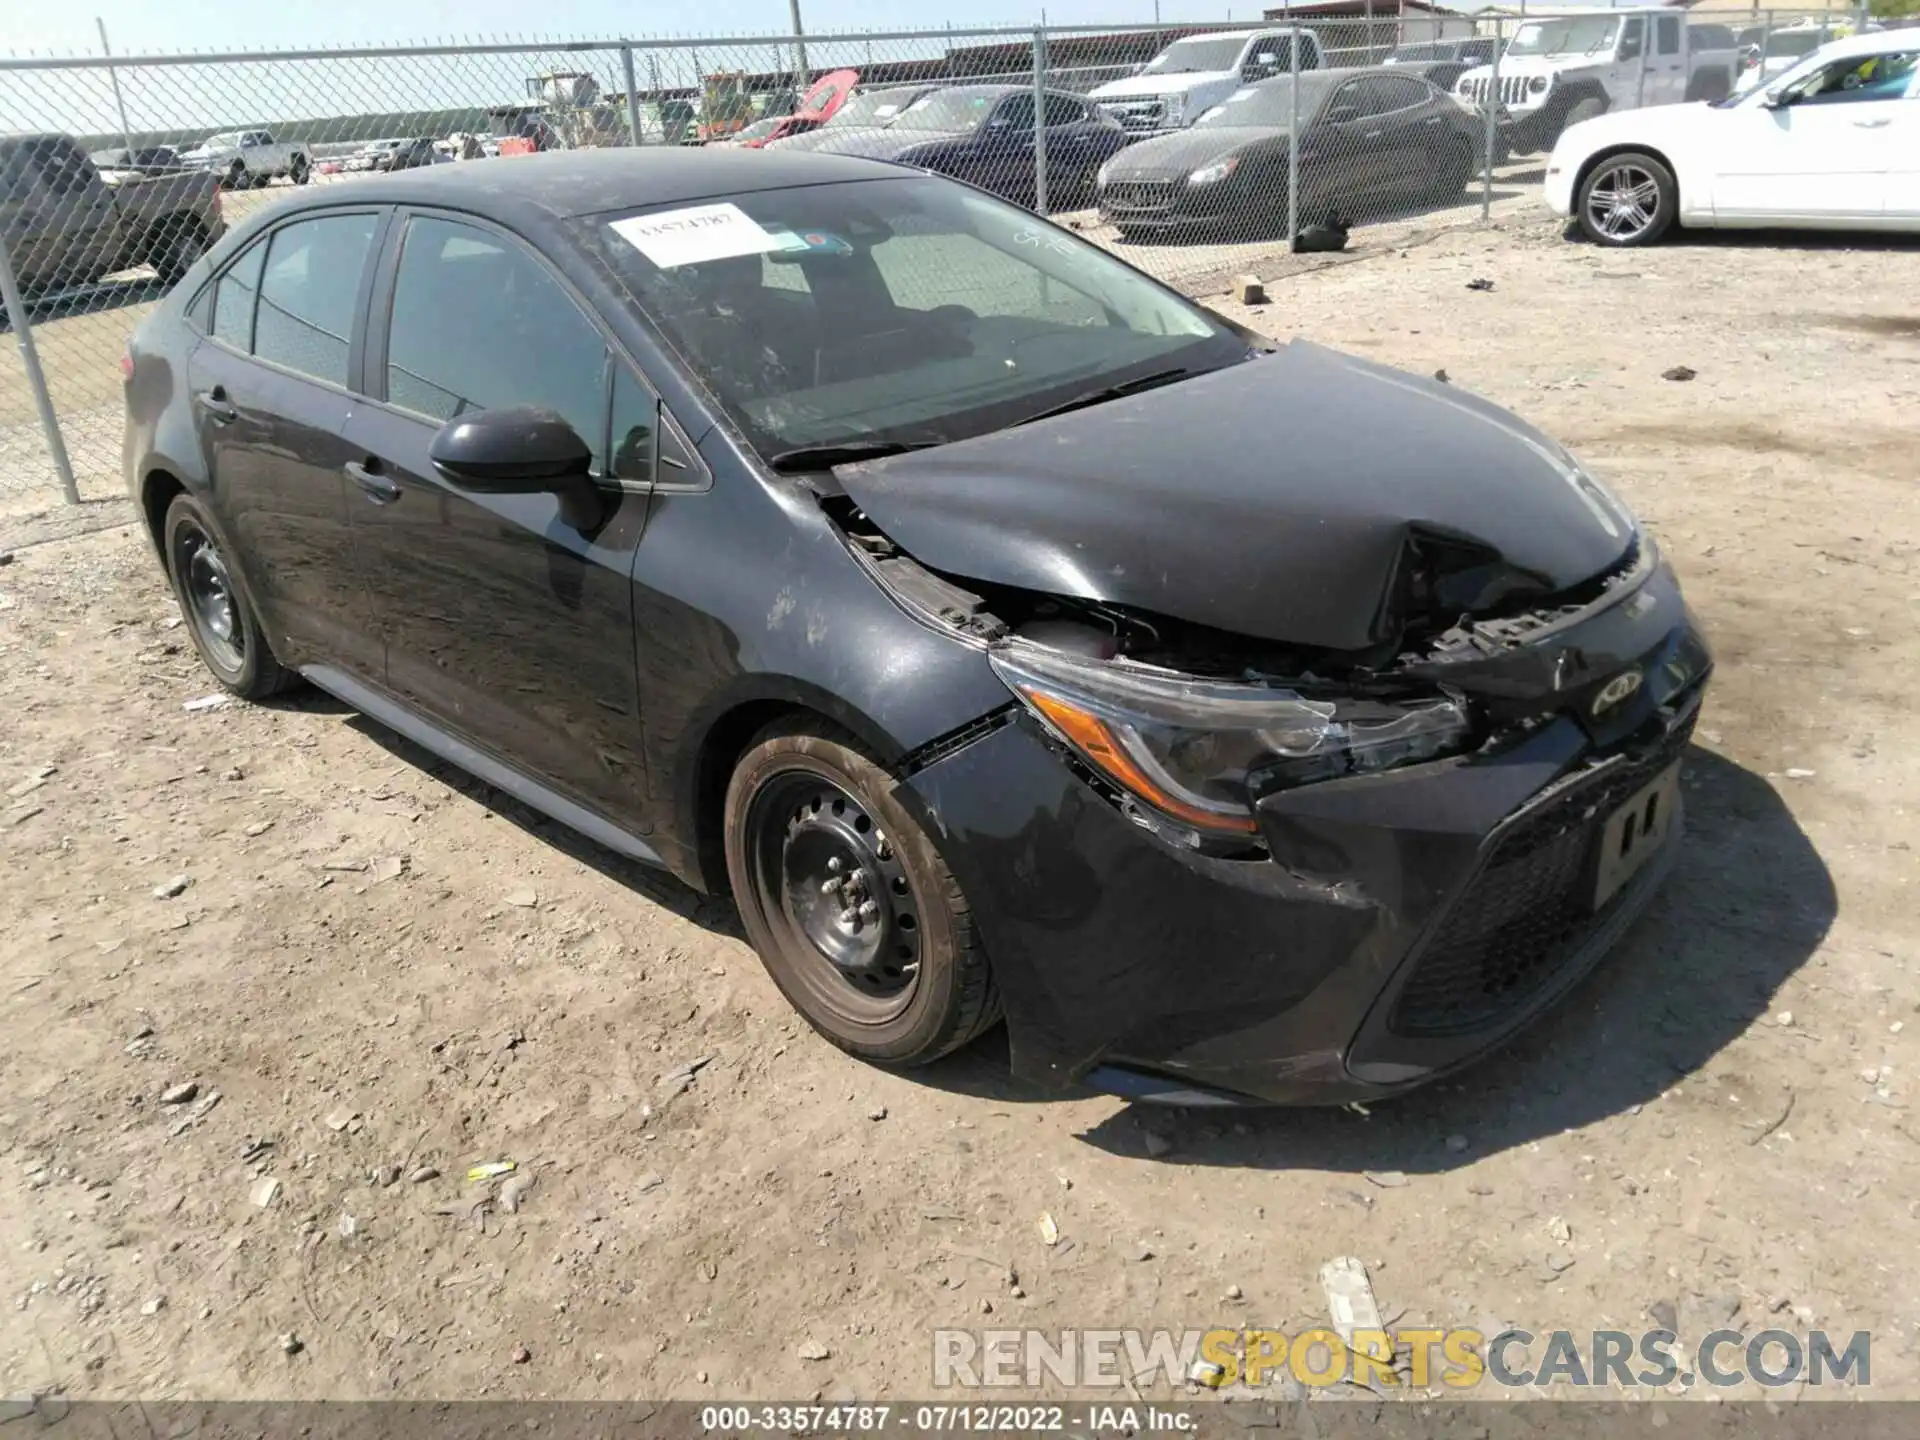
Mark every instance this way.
x=215 y=405
x=1873 y=124
x=377 y=487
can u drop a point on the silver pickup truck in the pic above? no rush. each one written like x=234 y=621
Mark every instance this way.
x=65 y=226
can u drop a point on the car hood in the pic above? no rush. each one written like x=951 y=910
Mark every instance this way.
x=1656 y=124
x=1136 y=87
x=888 y=144
x=1287 y=498
x=1166 y=156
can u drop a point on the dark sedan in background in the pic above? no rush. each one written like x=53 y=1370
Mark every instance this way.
x=1369 y=138
x=984 y=134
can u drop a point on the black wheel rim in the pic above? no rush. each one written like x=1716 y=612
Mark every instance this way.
x=832 y=886
x=207 y=590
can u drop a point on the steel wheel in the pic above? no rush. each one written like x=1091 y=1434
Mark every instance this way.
x=835 y=885
x=207 y=590
x=1623 y=200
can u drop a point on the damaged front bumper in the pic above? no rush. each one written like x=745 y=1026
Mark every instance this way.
x=1403 y=924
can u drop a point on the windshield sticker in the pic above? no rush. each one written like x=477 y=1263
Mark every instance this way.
x=810 y=242
x=1059 y=245
x=696 y=233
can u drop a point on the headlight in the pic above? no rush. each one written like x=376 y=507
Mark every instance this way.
x=1174 y=107
x=1538 y=85
x=1198 y=752
x=1213 y=174
x=1100 y=177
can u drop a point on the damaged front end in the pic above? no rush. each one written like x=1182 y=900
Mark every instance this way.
x=1209 y=865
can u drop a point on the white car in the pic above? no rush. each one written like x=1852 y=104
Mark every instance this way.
x=1194 y=74
x=1834 y=143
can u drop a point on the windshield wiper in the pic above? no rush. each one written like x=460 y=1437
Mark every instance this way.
x=1111 y=392
x=821 y=457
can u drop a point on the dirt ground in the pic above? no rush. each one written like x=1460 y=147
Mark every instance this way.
x=377 y=966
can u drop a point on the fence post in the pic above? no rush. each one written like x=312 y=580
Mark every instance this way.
x=1493 y=129
x=1040 y=119
x=36 y=377
x=633 y=99
x=1293 y=129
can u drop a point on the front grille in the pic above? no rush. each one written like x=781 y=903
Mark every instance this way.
x=1138 y=197
x=1136 y=114
x=1513 y=89
x=1526 y=912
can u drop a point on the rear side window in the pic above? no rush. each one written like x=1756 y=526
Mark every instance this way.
x=233 y=298
x=308 y=293
x=1666 y=32
x=478 y=324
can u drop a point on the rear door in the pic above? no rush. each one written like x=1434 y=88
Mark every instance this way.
x=269 y=388
x=1903 y=178
x=507 y=623
x=1667 y=62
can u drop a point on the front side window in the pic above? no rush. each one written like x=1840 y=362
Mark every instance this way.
x=478 y=324
x=1064 y=110
x=928 y=312
x=1015 y=113
x=309 y=292
x=1859 y=78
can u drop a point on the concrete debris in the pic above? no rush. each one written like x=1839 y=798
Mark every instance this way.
x=265 y=1190
x=1349 y=1293
x=167 y=889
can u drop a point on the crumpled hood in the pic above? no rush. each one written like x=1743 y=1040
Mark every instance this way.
x=1276 y=499
x=1170 y=156
x=1141 y=87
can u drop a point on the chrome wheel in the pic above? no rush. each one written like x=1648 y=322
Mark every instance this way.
x=1622 y=201
x=207 y=590
x=829 y=877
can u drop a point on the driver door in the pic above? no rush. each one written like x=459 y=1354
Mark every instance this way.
x=508 y=618
x=1825 y=157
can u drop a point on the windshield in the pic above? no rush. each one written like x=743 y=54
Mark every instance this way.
x=1582 y=36
x=225 y=140
x=1202 y=53
x=1409 y=54
x=759 y=128
x=947 y=110
x=1269 y=103
x=873 y=107
x=905 y=310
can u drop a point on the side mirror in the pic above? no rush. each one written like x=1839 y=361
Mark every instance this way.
x=515 y=450
x=1775 y=99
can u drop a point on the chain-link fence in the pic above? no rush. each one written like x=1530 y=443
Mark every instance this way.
x=1197 y=152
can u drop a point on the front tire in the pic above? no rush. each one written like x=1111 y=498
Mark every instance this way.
x=224 y=628
x=1626 y=200
x=236 y=176
x=1457 y=169
x=848 y=902
x=299 y=170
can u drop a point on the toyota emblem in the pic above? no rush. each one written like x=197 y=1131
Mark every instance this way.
x=1616 y=690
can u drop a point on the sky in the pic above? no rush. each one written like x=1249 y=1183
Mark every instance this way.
x=150 y=26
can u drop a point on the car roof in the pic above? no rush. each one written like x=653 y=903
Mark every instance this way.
x=564 y=183
x=1873 y=42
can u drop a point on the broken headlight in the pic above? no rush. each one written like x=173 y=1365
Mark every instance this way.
x=1199 y=752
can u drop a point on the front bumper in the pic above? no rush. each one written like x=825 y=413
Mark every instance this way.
x=1404 y=925
x=1176 y=204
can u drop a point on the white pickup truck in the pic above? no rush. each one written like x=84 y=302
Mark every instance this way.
x=1560 y=70
x=1194 y=74
x=249 y=157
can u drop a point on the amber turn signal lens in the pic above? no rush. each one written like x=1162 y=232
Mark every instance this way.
x=1096 y=743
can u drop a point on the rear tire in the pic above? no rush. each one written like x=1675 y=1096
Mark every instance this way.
x=1586 y=109
x=299 y=170
x=236 y=176
x=1457 y=169
x=224 y=628
x=1626 y=200
x=848 y=902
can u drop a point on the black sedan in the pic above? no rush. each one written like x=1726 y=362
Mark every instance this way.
x=984 y=134
x=1368 y=138
x=848 y=539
